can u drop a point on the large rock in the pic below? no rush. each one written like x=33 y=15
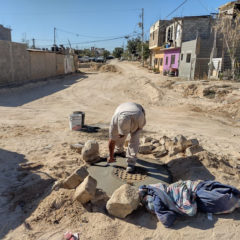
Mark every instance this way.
x=76 y=178
x=123 y=201
x=90 y=152
x=86 y=190
x=146 y=148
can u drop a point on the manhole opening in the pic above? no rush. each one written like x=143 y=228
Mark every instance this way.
x=138 y=175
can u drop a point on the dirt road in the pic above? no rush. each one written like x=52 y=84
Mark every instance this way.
x=34 y=128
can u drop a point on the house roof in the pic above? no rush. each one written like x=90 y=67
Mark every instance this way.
x=229 y=4
x=192 y=17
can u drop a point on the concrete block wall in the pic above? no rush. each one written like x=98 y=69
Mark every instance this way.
x=43 y=65
x=5 y=33
x=196 y=27
x=14 y=63
x=19 y=65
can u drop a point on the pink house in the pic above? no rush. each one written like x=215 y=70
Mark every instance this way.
x=171 y=58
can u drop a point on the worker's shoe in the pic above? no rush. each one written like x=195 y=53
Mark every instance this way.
x=120 y=154
x=130 y=169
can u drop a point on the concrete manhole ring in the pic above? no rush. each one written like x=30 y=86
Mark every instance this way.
x=139 y=174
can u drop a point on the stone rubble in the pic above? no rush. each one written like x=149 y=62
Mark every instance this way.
x=171 y=147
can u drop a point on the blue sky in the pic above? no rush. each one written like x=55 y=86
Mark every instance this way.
x=82 y=21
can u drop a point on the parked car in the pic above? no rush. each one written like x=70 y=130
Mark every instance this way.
x=92 y=59
x=100 y=59
x=110 y=57
x=83 y=59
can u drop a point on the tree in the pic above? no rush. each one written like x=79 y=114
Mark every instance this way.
x=229 y=28
x=106 y=53
x=146 y=51
x=132 y=46
x=117 y=52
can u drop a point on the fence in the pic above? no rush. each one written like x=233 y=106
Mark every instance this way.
x=19 y=65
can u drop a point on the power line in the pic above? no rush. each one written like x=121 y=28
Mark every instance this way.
x=204 y=6
x=80 y=35
x=102 y=40
x=68 y=12
x=176 y=9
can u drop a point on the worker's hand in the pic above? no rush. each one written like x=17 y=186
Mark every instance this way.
x=111 y=160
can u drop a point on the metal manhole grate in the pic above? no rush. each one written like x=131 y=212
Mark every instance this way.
x=139 y=174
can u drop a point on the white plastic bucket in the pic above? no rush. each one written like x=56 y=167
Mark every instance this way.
x=76 y=121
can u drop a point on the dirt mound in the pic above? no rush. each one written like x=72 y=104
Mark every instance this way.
x=57 y=206
x=108 y=68
x=96 y=66
x=200 y=90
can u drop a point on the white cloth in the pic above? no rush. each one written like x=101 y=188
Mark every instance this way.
x=129 y=118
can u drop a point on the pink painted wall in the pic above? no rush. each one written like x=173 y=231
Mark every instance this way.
x=169 y=53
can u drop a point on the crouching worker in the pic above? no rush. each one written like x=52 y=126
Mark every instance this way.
x=129 y=118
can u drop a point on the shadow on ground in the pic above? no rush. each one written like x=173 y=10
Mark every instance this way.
x=188 y=168
x=22 y=188
x=14 y=97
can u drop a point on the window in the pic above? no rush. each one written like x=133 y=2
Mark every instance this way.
x=188 y=59
x=155 y=61
x=181 y=56
x=173 y=59
x=161 y=61
x=166 y=60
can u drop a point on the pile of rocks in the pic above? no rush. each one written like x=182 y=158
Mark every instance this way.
x=122 y=202
x=171 y=147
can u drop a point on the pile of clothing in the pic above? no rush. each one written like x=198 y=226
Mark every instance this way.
x=187 y=197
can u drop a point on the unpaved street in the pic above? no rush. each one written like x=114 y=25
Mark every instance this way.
x=35 y=129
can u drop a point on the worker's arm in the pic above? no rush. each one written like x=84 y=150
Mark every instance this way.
x=111 y=146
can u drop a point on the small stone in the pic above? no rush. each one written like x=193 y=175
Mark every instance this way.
x=146 y=148
x=86 y=190
x=181 y=139
x=146 y=140
x=76 y=178
x=90 y=151
x=160 y=152
x=156 y=145
x=164 y=139
x=123 y=201
x=193 y=150
x=191 y=142
x=154 y=141
x=77 y=147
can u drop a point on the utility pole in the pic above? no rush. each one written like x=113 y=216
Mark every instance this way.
x=33 y=43
x=54 y=36
x=142 y=35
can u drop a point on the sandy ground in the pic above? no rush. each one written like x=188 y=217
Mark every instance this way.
x=35 y=140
